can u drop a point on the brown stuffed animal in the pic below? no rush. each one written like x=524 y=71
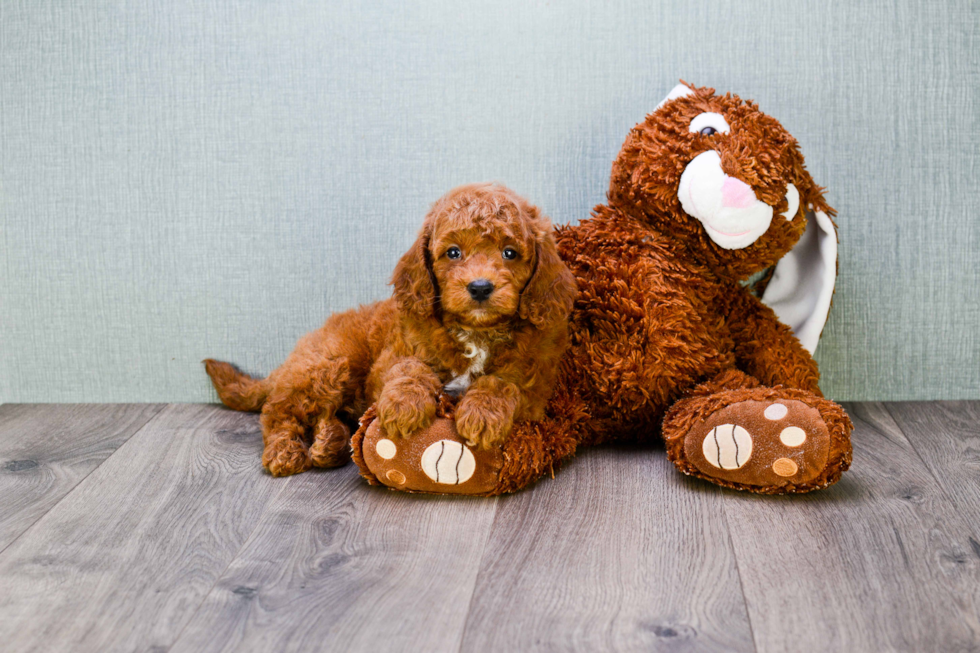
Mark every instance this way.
x=667 y=338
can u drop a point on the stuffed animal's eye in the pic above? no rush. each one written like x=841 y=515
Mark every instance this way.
x=510 y=253
x=709 y=123
x=454 y=252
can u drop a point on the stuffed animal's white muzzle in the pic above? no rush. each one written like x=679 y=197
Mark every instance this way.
x=727 y=207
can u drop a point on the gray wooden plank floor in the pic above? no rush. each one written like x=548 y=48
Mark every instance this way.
x=151 y=528
x=47 y=450
x=611 y=555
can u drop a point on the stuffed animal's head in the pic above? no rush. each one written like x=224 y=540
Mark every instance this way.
x=729 y=183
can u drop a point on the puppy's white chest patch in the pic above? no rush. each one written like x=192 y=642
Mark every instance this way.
x=478 y=355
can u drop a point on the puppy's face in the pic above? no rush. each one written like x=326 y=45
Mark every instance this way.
x=482 y=259
x=484 y=256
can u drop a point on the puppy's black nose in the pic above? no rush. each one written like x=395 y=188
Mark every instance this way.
x=480 y=289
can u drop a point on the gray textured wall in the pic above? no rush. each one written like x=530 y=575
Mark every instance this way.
x=213 y=177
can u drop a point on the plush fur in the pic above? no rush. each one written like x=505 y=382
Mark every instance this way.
x=664 y=331
x=401 y=352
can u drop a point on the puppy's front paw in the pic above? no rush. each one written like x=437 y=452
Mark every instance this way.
x=482 y=421
x=285 y=456
x=329 y=448
x=405 y=408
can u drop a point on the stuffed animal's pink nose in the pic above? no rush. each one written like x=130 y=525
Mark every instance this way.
x=736 y=194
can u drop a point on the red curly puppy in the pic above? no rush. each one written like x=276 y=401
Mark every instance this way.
x=480 y=308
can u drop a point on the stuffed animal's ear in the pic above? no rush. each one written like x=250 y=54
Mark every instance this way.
x=550 y=293
x=802 y=283
x=680 y=90
x=414 y=282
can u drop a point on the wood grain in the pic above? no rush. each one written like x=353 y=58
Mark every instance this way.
x=946 y=434
x=618 y=553
x=123 y=561
x=46 y=450
x=875 y=563
x=178 y=541
x=337 y=565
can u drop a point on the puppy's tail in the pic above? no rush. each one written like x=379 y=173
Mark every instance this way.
x=236 y=389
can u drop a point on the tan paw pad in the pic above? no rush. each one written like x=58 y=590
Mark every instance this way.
x=727 y=446
x=386 y=448
x=792 y=436
x=448 y=462
x=784 y=467
x=776 y=412
x=395 y=477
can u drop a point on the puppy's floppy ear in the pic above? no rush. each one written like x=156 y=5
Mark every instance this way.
x=415 y=285
x=550 y=293
x=802 y=284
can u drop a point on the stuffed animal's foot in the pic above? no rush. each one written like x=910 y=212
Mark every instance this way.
x=770 y=445
x=435 y=459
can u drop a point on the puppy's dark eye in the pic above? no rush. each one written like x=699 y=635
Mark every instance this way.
x=708 y=131
x=510 y=253
x=453 y=252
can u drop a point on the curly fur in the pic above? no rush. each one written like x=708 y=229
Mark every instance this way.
x=662 y=309
x=401 y=352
